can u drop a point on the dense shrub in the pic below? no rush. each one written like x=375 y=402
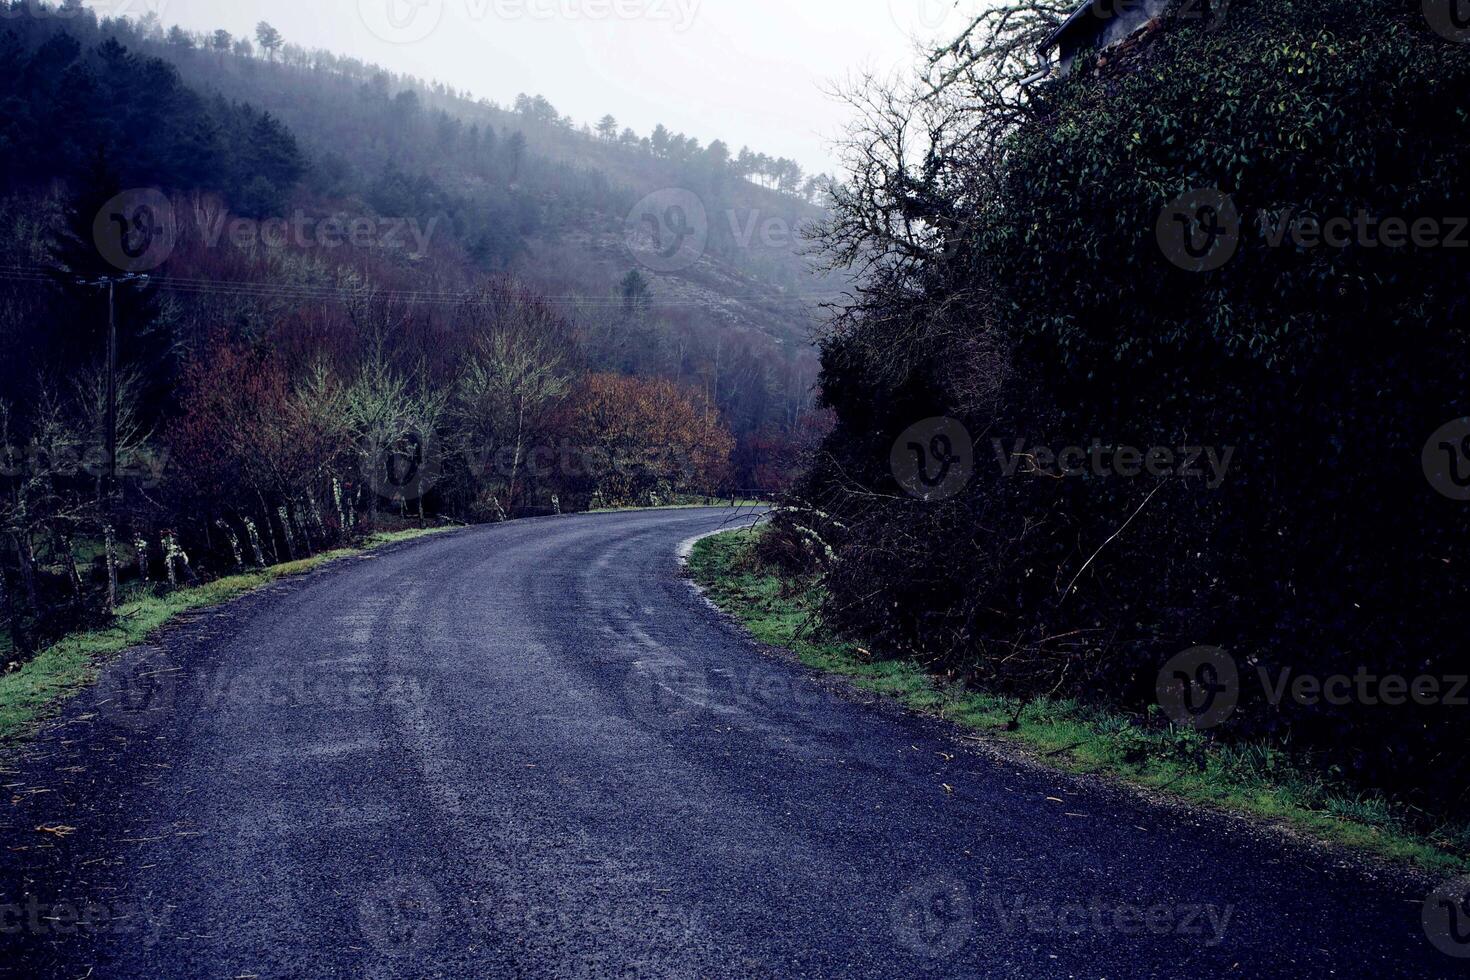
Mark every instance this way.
x=1050 y=316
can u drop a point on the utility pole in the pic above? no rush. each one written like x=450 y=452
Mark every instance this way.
x=111 y=387
x=110 y=284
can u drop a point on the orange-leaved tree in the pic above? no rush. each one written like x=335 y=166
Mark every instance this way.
x=630 y=437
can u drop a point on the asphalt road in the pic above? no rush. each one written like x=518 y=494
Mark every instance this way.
x=533 y=750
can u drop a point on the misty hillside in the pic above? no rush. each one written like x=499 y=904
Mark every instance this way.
x=461 y=191
x=562 y=192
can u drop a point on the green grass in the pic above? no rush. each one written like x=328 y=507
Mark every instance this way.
x=39 y=687
x=1257 y=780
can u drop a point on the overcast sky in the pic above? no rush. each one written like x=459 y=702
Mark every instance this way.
x=750 y=72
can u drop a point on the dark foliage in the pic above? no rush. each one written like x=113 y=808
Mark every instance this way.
x=1047 y=315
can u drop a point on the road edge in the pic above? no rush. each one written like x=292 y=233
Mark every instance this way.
x=922 y=696
x=40 y=690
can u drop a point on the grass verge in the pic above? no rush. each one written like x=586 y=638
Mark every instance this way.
x=1258 y=780
x=38 y=688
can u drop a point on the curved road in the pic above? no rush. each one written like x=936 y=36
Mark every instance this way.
x=533 y=750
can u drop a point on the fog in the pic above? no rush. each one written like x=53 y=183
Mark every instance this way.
x=754 y=72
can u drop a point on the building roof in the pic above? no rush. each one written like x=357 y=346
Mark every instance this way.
x=1055 y=37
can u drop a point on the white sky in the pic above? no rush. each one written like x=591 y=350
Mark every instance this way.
x=750 y=72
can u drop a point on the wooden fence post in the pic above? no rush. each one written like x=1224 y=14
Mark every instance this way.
x=343 y=527
x=286 y=533
x=254 y=534
x=167 y=543
x=109 y=542
x=62 y=541
x=224 y=526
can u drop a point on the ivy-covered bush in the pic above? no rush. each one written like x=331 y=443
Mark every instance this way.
x=1065 y=310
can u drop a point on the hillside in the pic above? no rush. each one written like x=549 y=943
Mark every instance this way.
x=338 y=299
x=492 y=191
x=581 y=186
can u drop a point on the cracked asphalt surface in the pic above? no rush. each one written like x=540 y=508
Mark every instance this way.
x=533 y=750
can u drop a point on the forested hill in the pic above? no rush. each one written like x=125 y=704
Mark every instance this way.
x=528 y=188
x=664 y=258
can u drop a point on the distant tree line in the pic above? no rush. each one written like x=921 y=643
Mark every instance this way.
x=779 y=173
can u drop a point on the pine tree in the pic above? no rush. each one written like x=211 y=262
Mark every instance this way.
x=269 y=39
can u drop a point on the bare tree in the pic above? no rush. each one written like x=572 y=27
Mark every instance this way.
x=133 y=434
x=924 y=156
x=507 y=386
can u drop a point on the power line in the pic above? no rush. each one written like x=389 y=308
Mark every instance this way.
x=308 y=291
